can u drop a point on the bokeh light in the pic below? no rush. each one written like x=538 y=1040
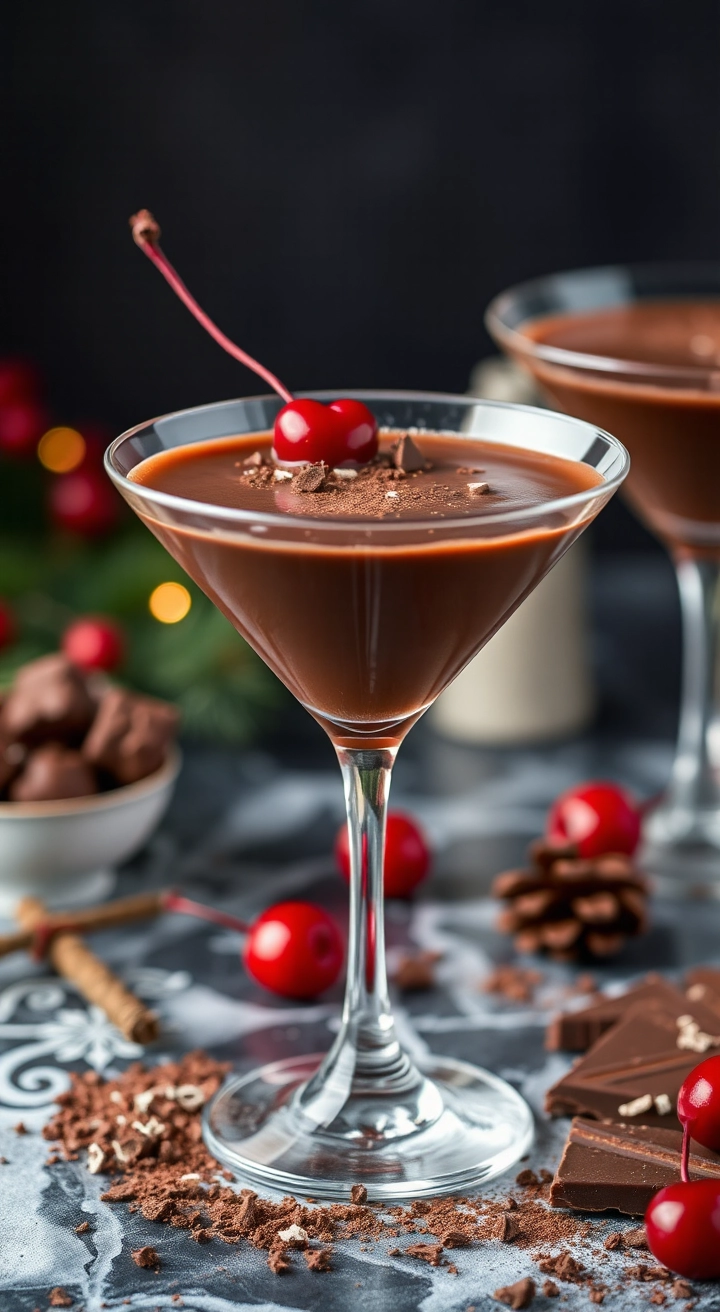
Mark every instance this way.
x=169 y=602
x=61 y=450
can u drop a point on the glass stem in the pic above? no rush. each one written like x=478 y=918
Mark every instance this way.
x=694 y=783
x=366 y=1057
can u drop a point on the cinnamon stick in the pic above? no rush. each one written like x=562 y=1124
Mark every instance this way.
x=123 y=911
x=73 y=959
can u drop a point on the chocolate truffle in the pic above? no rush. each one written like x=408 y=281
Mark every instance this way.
x=49 y=700
x=130 y=735
x=51 y=772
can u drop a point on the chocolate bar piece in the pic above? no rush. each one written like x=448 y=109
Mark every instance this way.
x=635 y=1070
x=619 y=1167
x=576 y=1031
x=130 y=735
x=49 y=700
x=703 y=985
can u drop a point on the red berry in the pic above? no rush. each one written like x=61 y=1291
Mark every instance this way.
x=294 y=949
x=359 y=428
x=18 y=379
x=307 y=430
x=94 y=643
x=22 y=423
x=407 y=854
x=682 y=1223
x=698 y=1104
x=8 y=627
x=84 y=502
x=596 y=818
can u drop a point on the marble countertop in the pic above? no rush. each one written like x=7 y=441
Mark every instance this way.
x=250 y=827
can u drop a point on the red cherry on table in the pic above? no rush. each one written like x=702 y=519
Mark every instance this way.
x=8 y=626
x=682 y=1223
x=698 y=1104
x=84 y=502
x=94 y=643
x=407 y=854
x=22 y=423
x=294 y=949
x=596 y=818
x=307 y=430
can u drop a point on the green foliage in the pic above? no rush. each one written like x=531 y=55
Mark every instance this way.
x=223 y=689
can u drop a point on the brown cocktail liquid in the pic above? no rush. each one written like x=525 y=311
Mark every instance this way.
x=367 y=623
x=669 y=423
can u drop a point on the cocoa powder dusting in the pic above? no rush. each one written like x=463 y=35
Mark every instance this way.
x=144 y=1131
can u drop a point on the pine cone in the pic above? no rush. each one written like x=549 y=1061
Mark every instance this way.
x=572 y=908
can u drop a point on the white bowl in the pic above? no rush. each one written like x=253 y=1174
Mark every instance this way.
x=64 y=852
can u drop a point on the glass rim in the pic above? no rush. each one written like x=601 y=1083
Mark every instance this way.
x=513 y=338
x=336 y=524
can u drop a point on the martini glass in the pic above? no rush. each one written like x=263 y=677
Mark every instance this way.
x=398 y=607
x=666 y=409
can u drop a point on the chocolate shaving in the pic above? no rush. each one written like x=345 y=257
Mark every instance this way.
x=311 y=479
x=415 y=972
x=517 y=1296
x=407 y=456
x=146 y=1257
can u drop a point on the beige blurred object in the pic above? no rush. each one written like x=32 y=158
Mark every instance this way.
x=532 y=682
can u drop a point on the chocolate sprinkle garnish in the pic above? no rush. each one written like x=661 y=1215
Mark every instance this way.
x=519 y=1295
x=311 y=479
x=407 y=456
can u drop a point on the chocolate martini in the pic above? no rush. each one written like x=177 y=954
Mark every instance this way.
x=366 y=636
x=366 y=546
x=669 y=420
x=638 y=349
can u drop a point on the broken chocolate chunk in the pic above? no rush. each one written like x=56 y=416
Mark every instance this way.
x=517 y=1296
x=407 y=456
x=576 y=1031
x=146 y=1257
x=416 y=972
x=311 y=479
x=49 y=700
x=620 y=1168
x=130 y=735
x=649 y=1052
x=318 y=1259
x=59 y=1297
x=358 y=1194
x=53 y=772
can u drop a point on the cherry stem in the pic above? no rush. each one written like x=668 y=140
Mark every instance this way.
x=144 y=230
x=187 y=907
x=685 y=1155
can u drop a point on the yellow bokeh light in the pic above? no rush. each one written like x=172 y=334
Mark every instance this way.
x=61 y=449
x=169 y=602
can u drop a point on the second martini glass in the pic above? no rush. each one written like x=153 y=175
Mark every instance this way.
x=638 y=348
x=367 y=620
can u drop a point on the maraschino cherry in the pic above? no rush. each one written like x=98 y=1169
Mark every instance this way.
x=595 y=818
x=682 y=1222
x=407 y=854
x=306 y=431
x=94 y=642
x=294 y=948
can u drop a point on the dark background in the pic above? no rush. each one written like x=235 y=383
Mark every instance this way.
x=344 y=185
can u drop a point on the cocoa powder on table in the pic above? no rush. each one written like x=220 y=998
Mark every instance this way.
x=144 y=1131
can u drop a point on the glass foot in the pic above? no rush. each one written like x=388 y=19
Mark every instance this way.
x=458 y=1127
x=681 y=850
